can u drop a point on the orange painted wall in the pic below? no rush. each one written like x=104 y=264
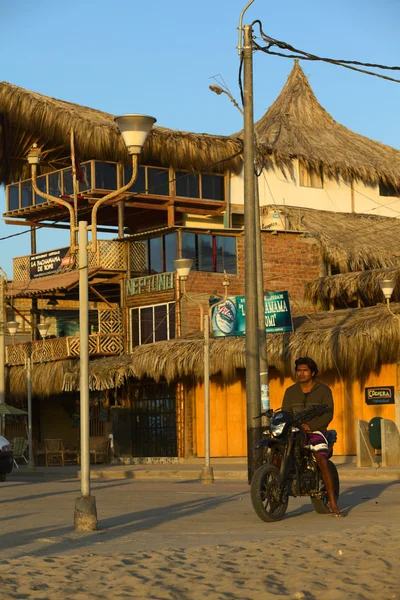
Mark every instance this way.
x=228 y=410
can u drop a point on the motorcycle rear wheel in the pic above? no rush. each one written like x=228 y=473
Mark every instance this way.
x=321 y=505
x=265 y=493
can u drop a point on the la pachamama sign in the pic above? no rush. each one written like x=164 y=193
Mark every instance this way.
x=229 y=318
x=48 y=263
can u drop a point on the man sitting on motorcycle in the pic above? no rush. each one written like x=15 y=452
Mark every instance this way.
x=303 y=394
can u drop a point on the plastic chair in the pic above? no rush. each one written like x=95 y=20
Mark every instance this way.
x=19 y=448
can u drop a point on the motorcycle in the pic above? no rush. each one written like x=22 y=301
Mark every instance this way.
x=289 y=468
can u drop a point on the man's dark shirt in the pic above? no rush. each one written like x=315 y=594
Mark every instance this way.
x=295 y=400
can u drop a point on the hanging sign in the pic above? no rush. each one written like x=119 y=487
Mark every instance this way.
x=379 y=395
x=47 y=263
x=229 y=318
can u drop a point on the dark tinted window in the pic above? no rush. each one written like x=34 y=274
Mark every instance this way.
x=386 y=189
x=68 y=188
x=146 y=325
x=156 y=263
x=226 y=254
x=140 y=184
x=87 y=173
x=189 y=247
x=105 y=176
x=170 y=251
x=41 y=183
x=13 y=197
x=26 y=193
x=171 y=311
x=157 y=182
x=187 y=184
x=205 y=245
x=54 y=180
x=212 y=187
x=135 y=327
x=160 y=322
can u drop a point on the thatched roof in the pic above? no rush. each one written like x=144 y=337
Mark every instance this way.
x=27 y=117
x=344 y=288
x=351 y=241
x=296 y=125
x=353 y=342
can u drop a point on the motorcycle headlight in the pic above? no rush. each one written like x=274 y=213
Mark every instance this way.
x=6 y=448
x=277 y=430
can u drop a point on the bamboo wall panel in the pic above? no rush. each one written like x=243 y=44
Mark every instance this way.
x=228 y=419
x=228 y=410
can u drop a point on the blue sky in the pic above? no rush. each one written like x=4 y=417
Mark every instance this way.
x=157 y=57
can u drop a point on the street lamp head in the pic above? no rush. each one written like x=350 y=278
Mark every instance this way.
x=387 y=287
x=183 y=266
x=34 y=155
x=134 y=130
x=216 y=89
x=43 y=329
x=12 y=327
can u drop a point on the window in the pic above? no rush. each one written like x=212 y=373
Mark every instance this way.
x=386 y=189
x=150 y=180
x=152 y=323
x=200 y=185
x=214 y=253
x=154 y=255
x=309 y=177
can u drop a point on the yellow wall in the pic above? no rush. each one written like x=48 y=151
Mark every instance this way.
x=228 y=410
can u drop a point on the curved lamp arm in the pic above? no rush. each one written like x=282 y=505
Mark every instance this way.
x=189 y=298
x=390 y=310
x=225 y=283
x=58 y=201
x=109 y=196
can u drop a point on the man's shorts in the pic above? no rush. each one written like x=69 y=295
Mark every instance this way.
x=318 y=442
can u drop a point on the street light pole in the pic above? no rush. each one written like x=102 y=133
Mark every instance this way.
x=253 y=390
x=85 y=517
x=387 y=287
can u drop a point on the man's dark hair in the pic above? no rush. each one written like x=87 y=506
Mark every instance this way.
x=311 y=364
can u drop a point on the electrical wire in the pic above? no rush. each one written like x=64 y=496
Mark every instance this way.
x=303 y=55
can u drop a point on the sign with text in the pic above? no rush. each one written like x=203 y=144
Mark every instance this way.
x=229 y=318
x=160 y=282
x=47 y=263
x=380 y=395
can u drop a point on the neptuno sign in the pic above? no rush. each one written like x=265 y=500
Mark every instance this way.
x=160 y=282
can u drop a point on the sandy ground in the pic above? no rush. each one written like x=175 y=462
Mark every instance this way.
x=163 y=552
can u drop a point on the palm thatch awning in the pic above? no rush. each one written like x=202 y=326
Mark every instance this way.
x=296 y=125
x=344 y=288
x=27 y=117
x=352 y=342
x=30 y=288
x=350 y=241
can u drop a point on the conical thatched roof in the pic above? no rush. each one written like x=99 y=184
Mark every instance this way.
x=296 y=125
x=344 y=288
x=354 y=342
x=351 y=241
x=27 y=117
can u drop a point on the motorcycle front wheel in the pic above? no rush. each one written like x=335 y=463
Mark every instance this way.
x=266 y=494
x=321 y=505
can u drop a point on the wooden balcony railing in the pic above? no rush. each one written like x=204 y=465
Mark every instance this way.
x=110 y=255
x=103 y=344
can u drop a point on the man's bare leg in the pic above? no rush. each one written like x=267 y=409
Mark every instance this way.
x=327 y=478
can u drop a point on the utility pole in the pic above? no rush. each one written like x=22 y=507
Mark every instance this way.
x=253 y=390
x=2 y=349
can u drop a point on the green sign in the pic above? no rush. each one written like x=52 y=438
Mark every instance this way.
x=160 y=282
x=229 y=318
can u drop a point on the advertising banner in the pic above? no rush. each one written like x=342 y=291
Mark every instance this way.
x=229 y=318
x=47 y=263
x=379 y=395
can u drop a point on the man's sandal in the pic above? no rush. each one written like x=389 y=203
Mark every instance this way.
x=337 y=514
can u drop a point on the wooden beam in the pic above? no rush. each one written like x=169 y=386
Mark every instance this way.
x=54 y=225
x=20 y=314
x=100 y=296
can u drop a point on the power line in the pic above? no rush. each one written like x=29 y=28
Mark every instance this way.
x=303 y=55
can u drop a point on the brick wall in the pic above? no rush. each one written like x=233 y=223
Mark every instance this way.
x=289 y=261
